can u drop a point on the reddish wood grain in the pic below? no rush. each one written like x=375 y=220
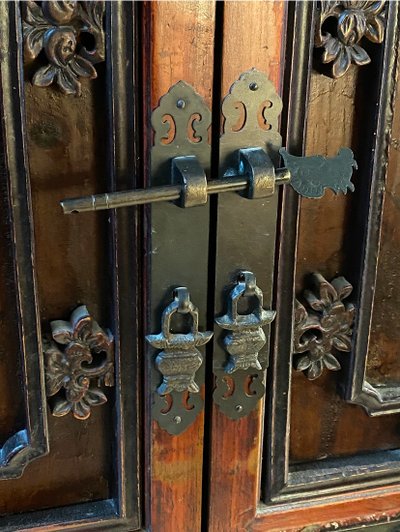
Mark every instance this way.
x=367 y=508
x=179 y=45
x=236 y=445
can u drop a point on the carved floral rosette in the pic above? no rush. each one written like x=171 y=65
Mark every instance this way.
x=322 y=326
x=79 y=359
x=55 y=27
x=355 y=20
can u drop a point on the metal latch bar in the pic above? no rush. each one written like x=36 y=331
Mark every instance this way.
x=114 y=200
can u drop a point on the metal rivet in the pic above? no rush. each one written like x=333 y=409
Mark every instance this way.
x=177 y=419
x=238 y=408
x=181 y=104
x=253 y=86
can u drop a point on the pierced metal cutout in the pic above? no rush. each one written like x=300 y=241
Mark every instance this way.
x=238 y=394
x=355 y=20
x=251 y=119
x=323 y=327
x=55 y=27
x=180 y=164
x=175 y=408
x=71 y=370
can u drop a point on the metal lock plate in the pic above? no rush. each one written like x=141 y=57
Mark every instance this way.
x=245 y=232
x=243 y=342
x=177 y=242
x=178 y=363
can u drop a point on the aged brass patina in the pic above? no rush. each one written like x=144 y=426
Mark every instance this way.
x=178 y=363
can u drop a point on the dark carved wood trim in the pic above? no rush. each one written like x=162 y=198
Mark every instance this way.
x=385 y=399
x=355 y=21
x=322 y=325
x=276 y=444
x=73 y=373
x=301 y=482
x=32 y=441
x=122 y=510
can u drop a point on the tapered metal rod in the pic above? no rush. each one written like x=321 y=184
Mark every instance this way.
x=114 y=200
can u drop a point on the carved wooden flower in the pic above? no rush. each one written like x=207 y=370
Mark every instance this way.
x=55 y=27
x=355 y=20
x=325 y=326
x=70 y=371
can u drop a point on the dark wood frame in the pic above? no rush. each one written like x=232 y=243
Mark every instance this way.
x=122 y=510
x=385 y=399
x=282 y=482
x=31 y=442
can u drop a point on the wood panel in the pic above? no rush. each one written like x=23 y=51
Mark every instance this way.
x=383 y=353
x=65 y=135
x=179 y=45
x=331 y=427
x=235 y=454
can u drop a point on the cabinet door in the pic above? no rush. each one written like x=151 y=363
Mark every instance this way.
x=321 y=449
x=223 y=358
x=70 y=396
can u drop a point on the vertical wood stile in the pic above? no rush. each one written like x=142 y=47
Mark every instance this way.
x=178 y=45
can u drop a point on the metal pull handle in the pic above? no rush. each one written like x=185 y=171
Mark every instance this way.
x=256 y=174
x=240 y=377
x=174 y=406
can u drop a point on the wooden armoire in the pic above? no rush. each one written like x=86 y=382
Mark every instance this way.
x=199 y=266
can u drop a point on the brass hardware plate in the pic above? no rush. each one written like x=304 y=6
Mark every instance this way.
x=177 y=240
x=178 y=363
x=310 y=176
x=243 y=342
x=245 y=231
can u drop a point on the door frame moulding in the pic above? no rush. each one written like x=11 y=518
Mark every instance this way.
x=122 y=510
x=281 y=482
x=383 y=399
x=31 y=442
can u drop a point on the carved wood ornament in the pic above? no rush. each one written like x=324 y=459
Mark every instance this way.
x=355 y=20
x=55 y=27
x=79 y=355
x=323 y=325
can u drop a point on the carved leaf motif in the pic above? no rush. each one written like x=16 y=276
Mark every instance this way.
x=375 y=30
x=44 y=76
x=34 y=41
x=33 y=14
x=92 y=14
x=71 y=367
x=83 y=68
x=325 y=325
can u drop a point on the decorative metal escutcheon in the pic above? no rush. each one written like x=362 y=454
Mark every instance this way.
x=175 y=408
x=254 y=174
x=239 y=383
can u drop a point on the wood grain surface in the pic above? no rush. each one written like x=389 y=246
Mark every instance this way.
x=323 y=424
x=65 y=135
x=235 y=459
x=178 y=45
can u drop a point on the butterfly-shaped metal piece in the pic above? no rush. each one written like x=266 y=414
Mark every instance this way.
x=310 y=176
